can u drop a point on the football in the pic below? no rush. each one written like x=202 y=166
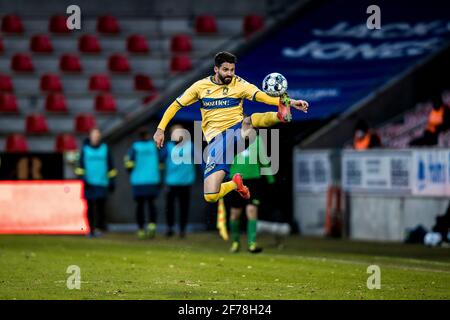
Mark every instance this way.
x=274 y=84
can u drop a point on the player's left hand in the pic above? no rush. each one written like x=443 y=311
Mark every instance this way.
x=300 y=105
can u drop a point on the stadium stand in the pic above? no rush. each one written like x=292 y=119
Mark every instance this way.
x=400 y=131
x=48 y=69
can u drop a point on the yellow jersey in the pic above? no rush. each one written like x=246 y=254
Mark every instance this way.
x=221 y=104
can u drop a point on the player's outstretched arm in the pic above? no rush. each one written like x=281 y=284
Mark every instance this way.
x=158 y=137
x=300 y=105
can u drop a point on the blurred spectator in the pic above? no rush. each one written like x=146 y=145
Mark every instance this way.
x=142 y=162
x=365 y=137
x=180 y=176
x=438 y=121
x=97 y=171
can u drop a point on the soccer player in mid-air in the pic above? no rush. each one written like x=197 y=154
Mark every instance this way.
x=221 y=96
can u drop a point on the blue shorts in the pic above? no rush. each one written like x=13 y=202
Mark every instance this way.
x=222 y=149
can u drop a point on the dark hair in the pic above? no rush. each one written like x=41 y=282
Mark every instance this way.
x=224 y=56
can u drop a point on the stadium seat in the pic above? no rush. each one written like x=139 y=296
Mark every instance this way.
x=205 y=24
x=41 y=44
x=2 y=47
x=70 y=63
x=99 y=82
x=8 y=103
x=143 y=82
x=36 y=124
x=252 y=24
x=89 y=43
x=137 y=43
x=181 y=43
x=180 y=64
x=108 y=25
x=16 y=143
x=21 y=62
x=51 y=82
x=84 y=122
x=55 y=102
x=58 y=24
x=105 y=103
x=65 y=142
x=118 y=63
x=12 y=23
x=6 y=84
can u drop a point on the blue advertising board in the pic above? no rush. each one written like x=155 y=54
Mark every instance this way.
x=332 y=59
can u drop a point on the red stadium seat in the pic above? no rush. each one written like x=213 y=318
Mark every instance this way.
x=41 y=44
x=143 y=83
x=252 y=24
x=55 y=102
x=6 y=84
x=2 y=47
x=137 y=43
x=70 y=63
x=22 y=63
x=99 y=82
x=84 y=122
x=205 y=24
x=51 y=82
x=181 y=43
x=105 y=103
x=65 y=142
x=118 y=63
x=36 y=124
x=12 y=23
x=58 y=24
x=180 y=64
x=8 y=103
x=16 y=143
x=89 y=43
x=108 y=25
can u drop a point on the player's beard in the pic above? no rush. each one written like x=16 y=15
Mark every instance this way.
x=225 y=80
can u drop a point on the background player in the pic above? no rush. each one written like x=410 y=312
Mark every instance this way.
x=142 y=162
x=179 y=178
x=251 y=172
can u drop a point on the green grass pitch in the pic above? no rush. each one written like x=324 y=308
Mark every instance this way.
x=118 y=266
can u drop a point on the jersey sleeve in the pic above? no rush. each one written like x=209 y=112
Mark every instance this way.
x=249 y=90
x=189 y=96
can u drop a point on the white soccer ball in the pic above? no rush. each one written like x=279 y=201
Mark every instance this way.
x=432 y=239
x=274 y=84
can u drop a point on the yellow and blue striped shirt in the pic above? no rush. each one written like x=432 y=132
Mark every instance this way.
x=221 y=104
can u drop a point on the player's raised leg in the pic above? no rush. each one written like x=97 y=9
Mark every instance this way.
x=268 y=119
x=214 y=189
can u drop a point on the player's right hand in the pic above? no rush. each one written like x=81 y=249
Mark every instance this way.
x=158 y=137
